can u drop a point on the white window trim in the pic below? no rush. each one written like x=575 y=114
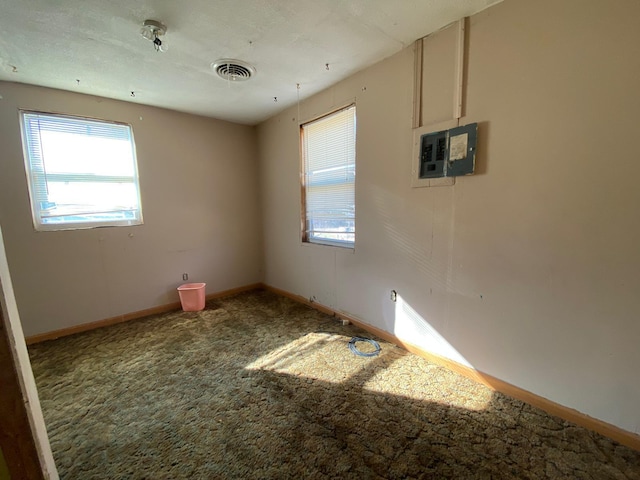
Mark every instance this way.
x=35 y=201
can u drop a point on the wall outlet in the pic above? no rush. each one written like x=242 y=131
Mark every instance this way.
x=185 y=276
x=394 y=296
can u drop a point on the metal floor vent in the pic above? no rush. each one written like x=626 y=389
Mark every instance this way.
x=233 y=70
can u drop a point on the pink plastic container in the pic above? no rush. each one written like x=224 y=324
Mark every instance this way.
x=192 y=296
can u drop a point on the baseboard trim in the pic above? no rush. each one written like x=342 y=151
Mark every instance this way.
x=618 y=434
x=84 y=327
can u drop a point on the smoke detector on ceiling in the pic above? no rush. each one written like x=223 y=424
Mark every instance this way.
x=233 y=70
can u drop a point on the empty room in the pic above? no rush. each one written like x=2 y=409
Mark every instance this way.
x=319 y=239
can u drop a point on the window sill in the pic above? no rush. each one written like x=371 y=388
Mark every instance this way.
x=342 y=246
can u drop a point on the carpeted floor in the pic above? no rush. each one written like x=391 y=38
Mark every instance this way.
x=259 y=387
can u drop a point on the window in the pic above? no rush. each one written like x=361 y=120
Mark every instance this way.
x=329 y=157
x=82 y=173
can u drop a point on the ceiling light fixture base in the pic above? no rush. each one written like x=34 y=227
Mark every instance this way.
x=152 y=30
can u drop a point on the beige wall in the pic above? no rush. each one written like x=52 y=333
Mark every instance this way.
x=529 y=270
x=198 y=183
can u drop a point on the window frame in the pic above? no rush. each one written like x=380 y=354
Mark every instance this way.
x=306 y=237
x=36 y=199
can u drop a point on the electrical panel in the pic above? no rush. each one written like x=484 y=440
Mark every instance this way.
x=448 y=153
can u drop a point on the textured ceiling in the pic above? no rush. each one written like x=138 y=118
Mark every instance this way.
x=94 y=47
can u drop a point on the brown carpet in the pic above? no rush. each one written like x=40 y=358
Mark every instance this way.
x=257 y=387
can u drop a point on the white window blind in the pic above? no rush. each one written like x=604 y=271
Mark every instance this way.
x=82 y=172
x=329 y=151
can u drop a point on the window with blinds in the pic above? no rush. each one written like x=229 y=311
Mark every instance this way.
x=82 y=172
x=329 y=158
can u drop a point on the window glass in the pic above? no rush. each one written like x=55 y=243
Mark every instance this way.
x=82 y=172
x=329 y=157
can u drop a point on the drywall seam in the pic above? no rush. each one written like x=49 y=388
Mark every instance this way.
x=417 y=84
x=459 y=72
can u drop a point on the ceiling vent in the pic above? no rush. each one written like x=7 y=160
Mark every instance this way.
x=233 y=70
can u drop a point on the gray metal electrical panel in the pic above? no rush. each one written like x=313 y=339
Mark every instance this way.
x=449 y=153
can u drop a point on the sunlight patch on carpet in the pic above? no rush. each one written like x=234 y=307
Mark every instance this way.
x=326 y=357
x=318 y=356
x=416 y=380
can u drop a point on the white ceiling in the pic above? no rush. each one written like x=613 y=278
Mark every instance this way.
x=95 y=47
